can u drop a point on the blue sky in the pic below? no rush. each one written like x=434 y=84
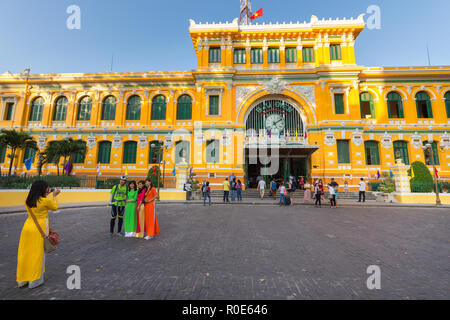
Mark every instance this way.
x=150 y=35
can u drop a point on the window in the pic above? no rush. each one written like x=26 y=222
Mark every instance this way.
x=343 y=150
x=79 y=157
x=36 y=109
x=339 y=107
x=109 y=108
x=182 y=152
x=159 y=108
x=214 y=55
x=212 y=151
x=273 y=55
x=291 y=55
x=213 y=105
x=129 y=152
x=84 y=109
x=335 y=52
x=29 y=153
x=447 y=103
x=395 y=105
x=372 y=153
x=134 y=108
x=9 y=111
x=423 y=104
x=104 y=152
x=184 y=107
x=240 y=56
x=2 y=154
x=367 y=106
x=401 y=151
x=308 y=54
x=256 y=55
x=153 y=155
x=60 y=109
x=427 y=154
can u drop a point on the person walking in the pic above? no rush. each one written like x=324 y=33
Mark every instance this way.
x=318 y=195
x=30 y=255
x=239 y=191
x=226 y=190
x=130 y=210
x=233 y=189
x=282 y=190
x=273 y=188
x=332 y=192
x=362 y=190
x=206 y=190
x=151 y=222
x=140 y=209
x=335 y=185
x=322 y=192
x=261 y=188
x=118 y=202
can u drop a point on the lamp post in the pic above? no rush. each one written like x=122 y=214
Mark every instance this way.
x=428 y=148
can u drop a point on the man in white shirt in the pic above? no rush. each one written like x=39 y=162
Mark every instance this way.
x=362 y=190
x=261 y=187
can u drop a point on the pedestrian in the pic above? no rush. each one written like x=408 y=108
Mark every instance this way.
x=261 y=188
x=318 y=195
x=345 y=186
x=335 y=185
x=282 y=190
x=206 y=190
x=239 y=190
x=290 y=190
x=332 y=192
x=302 y=183
x=273 y=189
x=362 y=190
x=231 y=177
x=226 y=190
x=322 y=192
x=188 y=189
x=140 y=209
x=31 y=255
x=130 y=210
x=151 y=222
x=233 y=189
x=118 y=202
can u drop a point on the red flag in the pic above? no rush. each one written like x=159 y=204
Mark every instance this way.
x=257 y=14
x=306 y=134
x=436 y=174
x=154 y=170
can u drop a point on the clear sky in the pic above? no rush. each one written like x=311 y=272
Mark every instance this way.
x=151 y=35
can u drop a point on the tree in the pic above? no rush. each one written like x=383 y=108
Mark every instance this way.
x=67 y=149
x=423 y=180
x=16 y=141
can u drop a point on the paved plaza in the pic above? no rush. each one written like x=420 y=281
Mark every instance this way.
x=243 y=252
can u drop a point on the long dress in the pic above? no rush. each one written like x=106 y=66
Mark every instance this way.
x=30 y=256
x=151 y=222
x=140 y=214
x=130 y=213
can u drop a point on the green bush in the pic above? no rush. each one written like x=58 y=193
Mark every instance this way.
x=423 y=180
x=154 y=177
x=374 y=186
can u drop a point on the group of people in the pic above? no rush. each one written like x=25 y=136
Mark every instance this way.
x=234 y=186
x=135 y=203
x=319 y=192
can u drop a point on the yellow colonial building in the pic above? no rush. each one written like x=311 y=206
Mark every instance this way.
x=264 y=99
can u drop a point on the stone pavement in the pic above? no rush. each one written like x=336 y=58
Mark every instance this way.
x=243 y=252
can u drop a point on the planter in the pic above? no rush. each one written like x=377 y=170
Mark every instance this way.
x=385 y=197
x=196 y=195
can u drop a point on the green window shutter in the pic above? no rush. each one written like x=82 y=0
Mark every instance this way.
x=129 y=152
x=79 y=158
x=159 y=108
x=212 y=151
x=213 y=105
x=308 y=54
x=29 y=153
x=214 y=55
x=60 y=109
x=256 y=55
x=291 y=55
x=447 y=103
x=239 y=56
x=395 y=100
x=273 y=55
x=343 y=151
x=154 y=152
x=339 y=103
x=2 y=154
x=372 y=153
x=134 y=108
x=84 y=109
x=423 y=97
x=335 y=52
x=109 y=108
x=104 y=152
x=367 y=97
x=184 y=107
x=9 y=109
x=36 y=109
x=401 y=151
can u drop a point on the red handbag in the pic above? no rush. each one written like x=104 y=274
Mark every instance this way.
x=51 y=240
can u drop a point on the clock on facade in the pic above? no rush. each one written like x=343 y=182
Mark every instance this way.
x=275 y=122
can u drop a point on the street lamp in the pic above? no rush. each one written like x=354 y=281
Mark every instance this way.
x=428 y=148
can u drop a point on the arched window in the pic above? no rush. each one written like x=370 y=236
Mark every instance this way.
x=154 y=153
x=423 y=103
x=37 y=106
x=134 y=108
x=159 y=108
x=29 y=153
x=367 y=105
x=60 y=109
x=184 y=107
x=182 y=152
x=401 y=151
x=212 y=151
x=372 y=153
x=84 y=109
x=104 y=152
x=109 y=108
x=447 y=103
x=427 y=154
x=129 y=152
x=395 y=105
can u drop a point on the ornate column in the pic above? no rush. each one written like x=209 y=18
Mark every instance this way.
x=299 y=53
x=265 y=56
x=400 y=171
x=282 y=54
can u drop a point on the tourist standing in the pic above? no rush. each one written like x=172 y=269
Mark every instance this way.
x=226 y=190
x=302 y=183
x=335 y=185
x=233 y=189
x=151 y=222
x=362 y=190
x=239 y=190
x=261 y=188
x=332 y=192
x=345 y=186
x=31 y=256
x=273 y=188
x=282 y=190
x=318 y=195
x=140 y=210
x=206 y=190
x=322 y=191
x=130 y=210
x=118 y=202
x=188 y=189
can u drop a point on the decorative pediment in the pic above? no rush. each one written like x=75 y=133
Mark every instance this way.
x=142 y=141
x=416 y=141
x=330 y=139
x=91 y=142
x=275 y=86
x=386 y=141
x=42 y=142
x=117 y=141
x=357 y=138
x=242 y=93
